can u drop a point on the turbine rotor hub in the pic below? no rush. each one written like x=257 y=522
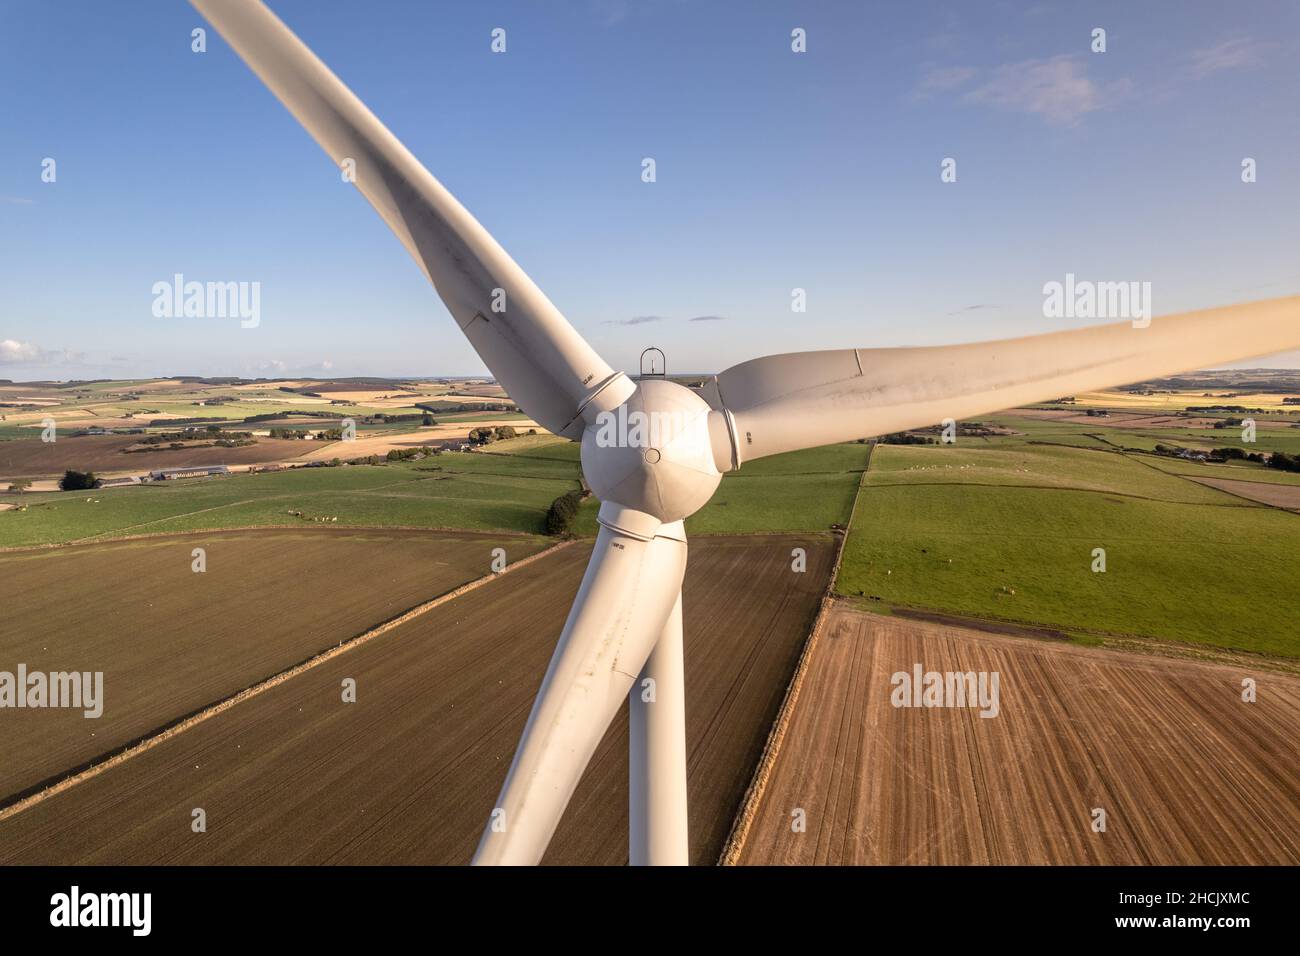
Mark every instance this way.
x=653 y=454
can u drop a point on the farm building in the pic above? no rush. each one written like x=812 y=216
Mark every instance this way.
x=198 y=471
x=116 y=482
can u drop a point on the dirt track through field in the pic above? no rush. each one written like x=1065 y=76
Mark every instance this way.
x=409 y=773
x=1186 y=771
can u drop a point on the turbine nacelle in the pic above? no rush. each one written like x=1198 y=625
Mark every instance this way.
x=652 y=456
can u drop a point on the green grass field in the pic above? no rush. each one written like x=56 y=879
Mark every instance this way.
x=1237 y=470
x=1030 y=466
x=385 y=495
x=508 y=488
x=541 y=447
x=957 y=529
x=800 y=491
x=1270 y=436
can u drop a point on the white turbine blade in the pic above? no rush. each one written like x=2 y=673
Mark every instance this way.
x=627 y=595
x=805 y=399
x=531 y=349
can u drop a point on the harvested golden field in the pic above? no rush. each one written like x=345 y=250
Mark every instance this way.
x=381 y=443
x=1121 y=419
x=1179 y=400
x=170 y=640
x=409 y=773
x=479 y=389
x=397 y=398
x=385 y=398
x=270 y=385
x=10 y=397
x=1185 y=770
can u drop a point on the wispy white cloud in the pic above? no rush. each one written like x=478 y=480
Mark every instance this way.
x=643 y=319
x=13 y=352
x=1059 y=90
x=635 y=320
x=277 y=366
x=1240 y=53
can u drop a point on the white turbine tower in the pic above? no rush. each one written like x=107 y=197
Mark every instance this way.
x=626 y=623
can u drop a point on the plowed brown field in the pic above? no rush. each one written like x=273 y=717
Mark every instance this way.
x=1186 y=771
x=170 y=640
x=30 y=457
x=1268 y=493
x=409 y=773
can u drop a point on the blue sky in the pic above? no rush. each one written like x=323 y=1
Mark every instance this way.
x=775 y=170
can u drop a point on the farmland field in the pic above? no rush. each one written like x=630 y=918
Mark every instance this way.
x=97 y=453
x=160 y=404
x=393 y=495
x=1029 y=466
x=1008 y=533
x=378 y=442
x=1180 y=400
x=1269 y=493
x=800 y=491
x=1236 y=470
x=170 y=640
x=1185 y=770
x=509 y=489
x=998 y=532
x=1139 y=432
x=409 y=773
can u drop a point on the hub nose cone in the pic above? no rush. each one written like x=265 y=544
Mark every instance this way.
x=653 y=453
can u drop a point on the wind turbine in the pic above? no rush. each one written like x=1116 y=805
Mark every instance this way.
x=625 y=627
